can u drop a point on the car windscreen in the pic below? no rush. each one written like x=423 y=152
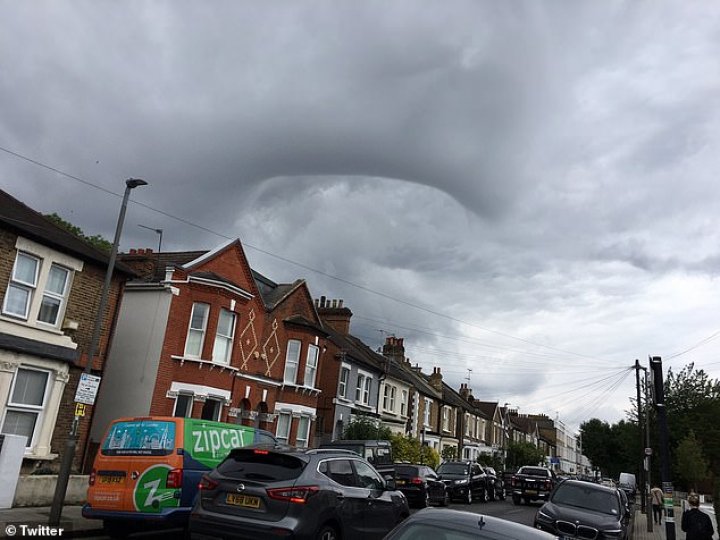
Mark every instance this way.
x=261 y=465
x=140 y=438
x=587 y=497
x=453 y=468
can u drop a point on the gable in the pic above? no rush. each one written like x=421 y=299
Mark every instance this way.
x=228 y=261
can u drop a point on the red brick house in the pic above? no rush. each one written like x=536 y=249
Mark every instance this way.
x=203 y=335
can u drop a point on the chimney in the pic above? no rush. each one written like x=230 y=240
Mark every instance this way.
x=436 y=379
x=393 y=349
x=465 y=392
x=334 y=314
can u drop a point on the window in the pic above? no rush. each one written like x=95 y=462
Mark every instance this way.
x=283 y=427
x=362 y=391
x=224 y=337
x=426 y=418
x=311 y=366
x=196 y=333
x=446 y=419
x=54 y=295
x=27 y=399
x=292 y=359
x=344 y=376
x=368 y=477
x=403 y=402
x=22 y=285
x=183 y=405
x=211 y=409
x=340 y=471
x=303 y=430
x=389 y=398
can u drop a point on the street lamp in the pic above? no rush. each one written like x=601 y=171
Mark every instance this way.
x=71 y=443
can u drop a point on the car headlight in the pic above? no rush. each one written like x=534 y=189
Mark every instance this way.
x=461 y=482
x=545 y=516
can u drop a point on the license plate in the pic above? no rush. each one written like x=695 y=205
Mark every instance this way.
x=531 y=492
x=242 y=500
x=400 y=482
x=112 y=479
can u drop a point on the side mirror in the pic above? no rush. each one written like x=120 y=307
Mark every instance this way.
x=390 y=484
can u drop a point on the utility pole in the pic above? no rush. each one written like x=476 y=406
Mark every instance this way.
x=640 y=432
x=71 y=442
x=648 y=455
x=667 y=486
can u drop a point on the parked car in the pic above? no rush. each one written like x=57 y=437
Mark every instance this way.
x=465 y=479
x=578 y=509
x=297 y=493
x=627 y=482
x=496 y=484
x=531 y=483
x=377 y=452
x=421 y=485
x=437 y=524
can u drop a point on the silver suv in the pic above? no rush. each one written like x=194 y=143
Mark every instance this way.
x=323 y=494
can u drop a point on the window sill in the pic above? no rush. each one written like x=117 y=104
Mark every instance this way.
x=302 y=389
x=212 y=365
x=39 y=457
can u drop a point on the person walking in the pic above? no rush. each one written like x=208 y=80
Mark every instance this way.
x=657 y=504
x=696 y=523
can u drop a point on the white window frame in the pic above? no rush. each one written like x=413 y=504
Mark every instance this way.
x=446 y=418
x=227 y=339
x=292 y=363
x=403 y=402
x=283 y=437
x=389 y=398
x=60 y=298
x=30 y=288
x=38 y=410
x=188 y=407
x=362 y=389
x=201 y=331
x=220 y=402
x=343 y=381
x=302 y=439
x=467 y=424
x=311 y=366
x=426 y=415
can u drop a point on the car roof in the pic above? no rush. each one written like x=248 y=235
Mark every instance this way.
x=474 y=523
x=593 y=485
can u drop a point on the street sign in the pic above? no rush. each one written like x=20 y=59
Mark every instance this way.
x=87 y=389
x=648 y=451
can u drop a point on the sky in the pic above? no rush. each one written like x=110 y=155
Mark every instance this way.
x=526 y=192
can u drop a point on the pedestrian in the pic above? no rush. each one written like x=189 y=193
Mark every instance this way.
x=695 y=523
x=657 y=504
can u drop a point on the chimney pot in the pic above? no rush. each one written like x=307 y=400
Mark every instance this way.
x=133 y=251
x=340 y=303
x=322 y=301
x=334 y=303
x=149 y=250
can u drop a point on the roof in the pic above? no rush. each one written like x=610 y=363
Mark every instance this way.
x=25 y=221
x=488 y=407
x=356 y=349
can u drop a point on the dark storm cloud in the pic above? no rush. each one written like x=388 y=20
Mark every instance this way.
x=547 y=170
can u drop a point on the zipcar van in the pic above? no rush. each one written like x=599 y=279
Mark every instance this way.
x=147 y=469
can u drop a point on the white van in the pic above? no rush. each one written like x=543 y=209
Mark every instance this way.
x=627 y=483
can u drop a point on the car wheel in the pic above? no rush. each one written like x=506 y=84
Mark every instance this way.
x=469 y=497
x=446 y=499
x=484 y=496
x=115 y=529
x=426 y=501
x=502 y=494
x=327 y=532
x=516 y=500
x=492 y=494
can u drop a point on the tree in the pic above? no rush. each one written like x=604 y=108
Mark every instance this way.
x=523 y=453
x=449 y=453
x=96 y=241
x=366 y=428
x=691 y=463
x=411 y=450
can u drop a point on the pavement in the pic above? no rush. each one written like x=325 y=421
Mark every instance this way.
x=659 y=532
x=21 y=522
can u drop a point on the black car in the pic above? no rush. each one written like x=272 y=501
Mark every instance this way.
x=465 y=479
x=437 y=524
x=421 y=485
x=299 y=493
x=495 y=483
x=578 y=509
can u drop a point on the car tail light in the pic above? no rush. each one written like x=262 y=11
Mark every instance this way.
x=416 y=480
x=295 y=494
x=174 y=478
x=547 y=484
x=261 y=452
x=91 y=478
x=207 y=483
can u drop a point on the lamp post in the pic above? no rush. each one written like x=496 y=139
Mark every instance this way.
x=71 y=443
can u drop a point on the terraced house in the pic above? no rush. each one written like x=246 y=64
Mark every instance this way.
x=202 y=335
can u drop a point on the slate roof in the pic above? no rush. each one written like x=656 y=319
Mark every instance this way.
x=487 y=407
x=356 y=349
x=23 y=220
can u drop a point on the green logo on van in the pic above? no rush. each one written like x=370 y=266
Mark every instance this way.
x=151 y=492
x=209 y=442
